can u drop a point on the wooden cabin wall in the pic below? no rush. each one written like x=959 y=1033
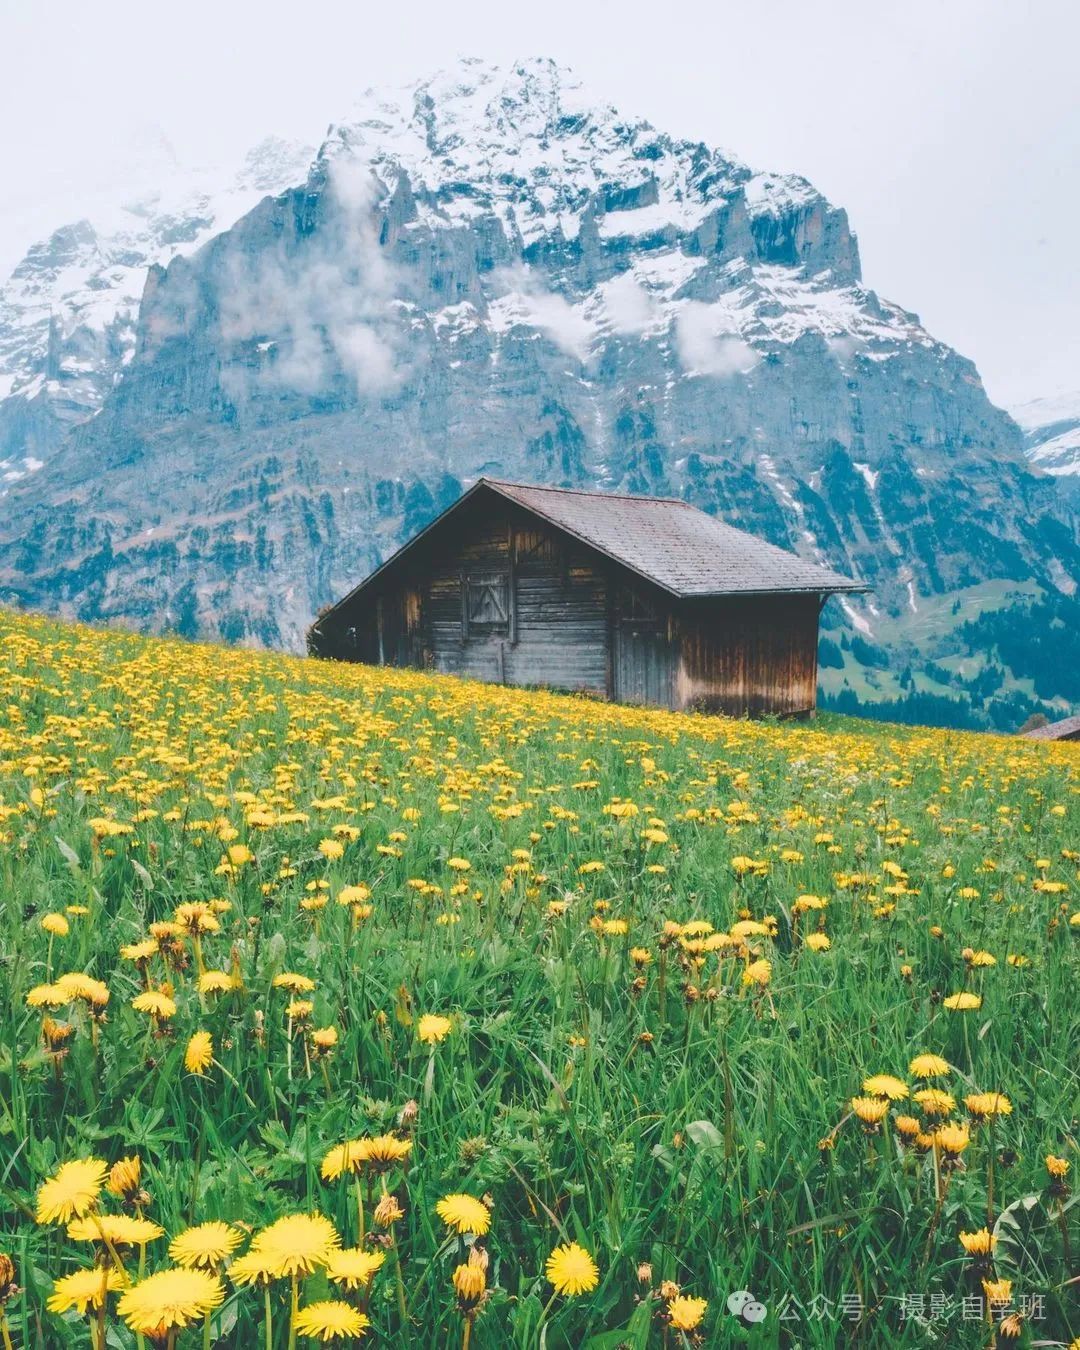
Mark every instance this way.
x=557 y=634
x=557 y=631
x=748 y=656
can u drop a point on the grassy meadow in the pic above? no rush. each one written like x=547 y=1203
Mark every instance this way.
x=366 y=1007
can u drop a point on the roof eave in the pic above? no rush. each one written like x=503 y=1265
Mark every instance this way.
x=823 y=588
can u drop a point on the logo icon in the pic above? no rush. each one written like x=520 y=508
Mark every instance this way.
x=743 y=1305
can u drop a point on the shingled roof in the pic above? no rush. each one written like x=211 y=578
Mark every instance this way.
x=1068 y=729
x=665 y=540
x=674 y=544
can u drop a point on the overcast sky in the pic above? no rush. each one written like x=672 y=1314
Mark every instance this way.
x=949 y=129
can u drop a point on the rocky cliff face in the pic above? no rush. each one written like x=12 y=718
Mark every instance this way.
x=493 y=274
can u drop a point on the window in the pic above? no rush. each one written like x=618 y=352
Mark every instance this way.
x=487 y=603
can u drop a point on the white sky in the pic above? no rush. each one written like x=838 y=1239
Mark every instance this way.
x=949 y=129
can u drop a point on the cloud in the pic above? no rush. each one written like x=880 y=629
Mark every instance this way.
x=526 y=301
x=325 y=303
x=630 y=308
x=708 y=342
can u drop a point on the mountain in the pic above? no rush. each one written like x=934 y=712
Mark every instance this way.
x=493 y=272
x=68 y=311
x=1051 y=429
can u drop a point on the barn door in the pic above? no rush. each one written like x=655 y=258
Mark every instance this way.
x=642 y=651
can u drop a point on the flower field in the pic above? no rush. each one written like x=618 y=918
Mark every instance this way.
x=365 y=1007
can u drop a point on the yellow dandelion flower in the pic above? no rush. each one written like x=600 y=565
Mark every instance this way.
x=757 y=972
x=217 y=982
x=464 y=1214
x=84 y=1289
x=72 y=1192
x=298 y=1243
x=885 y=1085
x=870 y=1110
x=353 y=1267
x=986 y=1104
x=205 y=1244
x=172 y=1298
x=980 y=1243
x=963 y=1002
x=952 y=1139
x=431 y=1028
x=685 y=1314
x=122 y=1230
x=199 y=1054
x=294 y=982
x=935 y=1102
x=160 y=1006
x=571 y=1270
x=928 y=1066
x=254 y=1268
x=331 y=1320
x=49 y=996
x=140 y=951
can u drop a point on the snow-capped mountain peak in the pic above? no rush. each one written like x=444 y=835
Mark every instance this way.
x=68 y=310
x=1052 y=433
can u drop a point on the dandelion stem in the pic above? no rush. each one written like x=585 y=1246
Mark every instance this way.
x=359 y=1211
x=268 y=1314
x=1063 y=1224
x=402 y=1306
x=294 y=1308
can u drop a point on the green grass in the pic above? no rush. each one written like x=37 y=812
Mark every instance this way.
x=669 y=1115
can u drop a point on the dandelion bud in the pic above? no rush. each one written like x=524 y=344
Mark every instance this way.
x=409 y=1114
x=669 y=1290
x=56 y=1034
x=388 y=1211
x=644 y=1273
x=470 y=1281
x=7 y=1278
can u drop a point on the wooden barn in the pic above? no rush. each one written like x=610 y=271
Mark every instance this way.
x=637 y=599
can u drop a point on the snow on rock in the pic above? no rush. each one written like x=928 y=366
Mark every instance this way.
x=1052 y=433
x=68 y=309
